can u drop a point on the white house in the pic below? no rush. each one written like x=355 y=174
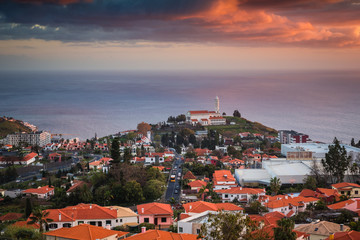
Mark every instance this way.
x=240 y=193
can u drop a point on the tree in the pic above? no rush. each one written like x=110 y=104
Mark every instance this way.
x=115 y=151
x=336 y=162
x=153 y=190
x=284 y=231
x=143 y=128
x=353 y=142
x=237 y=114
x=28 y=207
x=127 y=155
x=227 y=226
x=133 y=192
x=40 y=217
x=310 y=183
x=275 y=185
x=181 y=118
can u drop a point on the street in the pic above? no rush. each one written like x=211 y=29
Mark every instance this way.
x=174 y=188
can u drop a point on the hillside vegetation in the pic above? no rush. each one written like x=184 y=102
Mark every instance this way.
x=243 y=125
x=8 y=127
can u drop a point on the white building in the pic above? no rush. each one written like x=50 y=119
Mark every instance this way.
x=240 y=193
x=205 y=117
x=318 y=149
x=36 y=138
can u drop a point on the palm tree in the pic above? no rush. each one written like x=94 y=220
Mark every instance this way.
x=275 y=185
x=284 y=231
x=39 y=216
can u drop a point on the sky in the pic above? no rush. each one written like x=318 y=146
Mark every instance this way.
x=179 y=35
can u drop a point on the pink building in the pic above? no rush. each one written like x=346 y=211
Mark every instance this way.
x=159 y=214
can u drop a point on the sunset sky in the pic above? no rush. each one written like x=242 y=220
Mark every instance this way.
x=179 y=34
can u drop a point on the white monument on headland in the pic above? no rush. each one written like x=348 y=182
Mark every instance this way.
x=217 y=105
x=205 y=117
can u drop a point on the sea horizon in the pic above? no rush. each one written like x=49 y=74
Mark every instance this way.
x=322 y=104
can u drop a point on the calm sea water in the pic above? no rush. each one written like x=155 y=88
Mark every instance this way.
x=321 y=104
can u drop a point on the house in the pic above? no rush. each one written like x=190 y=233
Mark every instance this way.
x=98 y=165
x=159 y=214
x=192 y=223
x=321 y=229
x=84 y=232
x=197 y=185
x=55 y=157
x=289 y=205
x=350 y=204
x=125 y=216
x=83 y=213
x=26 y=160
x=189 y=176
x=44 y=192
x=351 y=235
x=327 y=195
x=161 y=235
x=240 y=193
x=153 y=158
x=201 y=206
x=223 y=179
x=348 y=189
x=137 y=160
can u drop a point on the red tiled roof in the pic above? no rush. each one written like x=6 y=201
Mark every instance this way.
x=162 y=235
x=25 y=224
x=296 y=201
x=189 y=175
x=11 y=216
x=308 y=193
x=29 y=156
x=345 y=184
x=200 y=112
x=340 y=205
x=40 y=190
x=81 y=211
x=84 y=232
x=241 y=190
x=328 y=192
x=351 y=235
x=154 y=209
x=201 y=206
x=197 y=183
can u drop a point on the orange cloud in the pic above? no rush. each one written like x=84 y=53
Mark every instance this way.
x=227 y=17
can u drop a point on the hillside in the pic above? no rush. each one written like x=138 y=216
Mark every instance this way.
x=243 y=125
x=8 y=126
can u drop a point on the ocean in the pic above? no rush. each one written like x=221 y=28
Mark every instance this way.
x=322 y=104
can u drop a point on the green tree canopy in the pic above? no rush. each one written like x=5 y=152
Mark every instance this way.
x=115 y=151
x=284 y=231
x=336 y=162
x=275 y=185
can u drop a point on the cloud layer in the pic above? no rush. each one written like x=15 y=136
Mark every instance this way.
x=325 y=23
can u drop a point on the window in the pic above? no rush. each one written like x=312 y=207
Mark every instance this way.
x=163 y=219
x=80 y=222
x=226 y=195
x=108 y=222
x=120 y=219
x=356 y=192
x=92 y=223
x=180 y=229
x=197 y=231
x=67 y=225
x=53 y=225
x=146 y=220
x=342 y=192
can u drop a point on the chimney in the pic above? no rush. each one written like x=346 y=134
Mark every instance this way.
x=240 y=188
x=286 y=196
x=291 y=195
x=143 y=229
x=190 y=207
x=108 y=227
x=341 y=227
x=225 y=176
x=90 y=206
x=142 y=210
x=59 y=217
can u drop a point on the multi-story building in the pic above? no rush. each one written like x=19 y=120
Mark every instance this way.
x=223 y=179
x=291 y=136
x=35 y=138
